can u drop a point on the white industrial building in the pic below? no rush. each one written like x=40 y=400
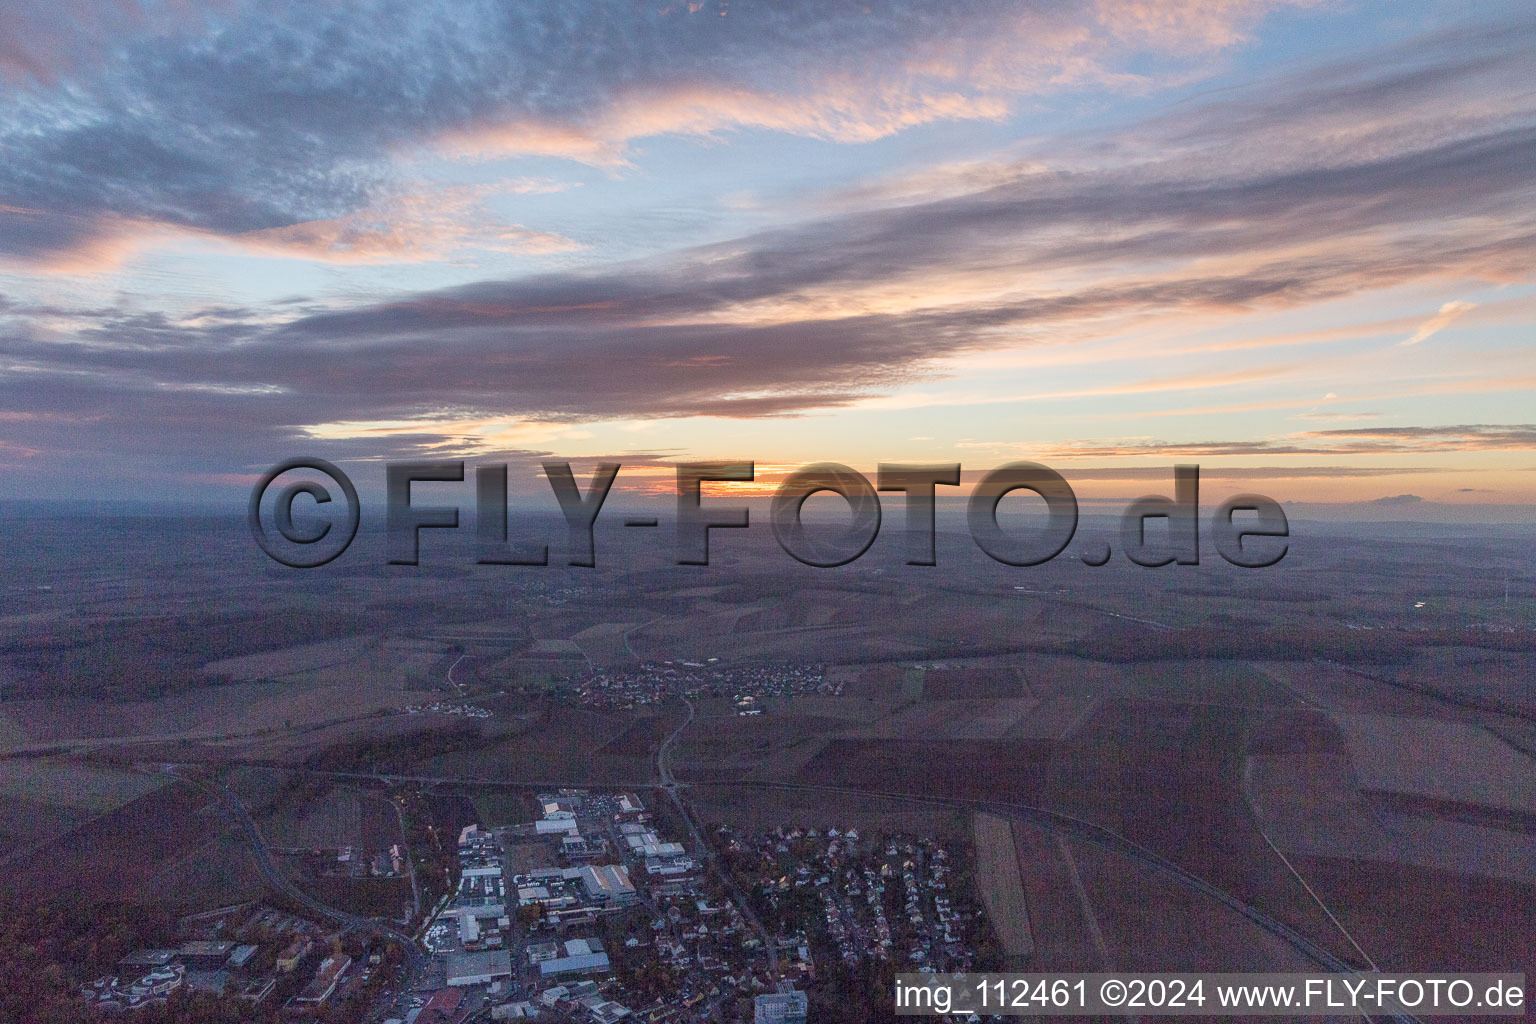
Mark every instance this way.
x=582 y=956
x=553 y=826
x=478 y=968
x=608 y=883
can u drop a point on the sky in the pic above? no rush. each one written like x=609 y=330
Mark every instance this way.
x=1290 y=242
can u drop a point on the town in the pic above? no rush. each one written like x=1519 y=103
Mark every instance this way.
x=596 y=908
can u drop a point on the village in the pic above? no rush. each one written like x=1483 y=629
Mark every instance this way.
x=655 y=682
x=893 y=900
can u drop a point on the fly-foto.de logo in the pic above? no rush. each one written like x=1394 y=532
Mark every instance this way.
x=1247 y=530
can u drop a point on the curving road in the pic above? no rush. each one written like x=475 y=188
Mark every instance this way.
x=706 y=853
x=1055 y=821
x=416 y=960
x=663 y=768
x=1108 y=839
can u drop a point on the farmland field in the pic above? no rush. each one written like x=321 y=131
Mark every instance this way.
x=121 y=853
x=750 y=808
x=1435 y=758
x=12 y=732
x=1233 y=683
x=1048 y=676
x=1002 y=890
x=1148 y=922
x=1061 y=934
x=289 y=661
x=85 y=787
x=1054 y=718
x=26 y=824
x=557 y=743
x=1336 y=688
x=340 y=817
x=1169 y=776
x=1005 y=770
x=206 y=712
x=220 y=870
x=500 y=807
x=772 y=745
x=1407 y=916
x=953 y=719
x=1501 y=677
x=973 y=683
x=603 y=644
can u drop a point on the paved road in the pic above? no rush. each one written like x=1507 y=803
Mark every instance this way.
x=1097 y=835
x=1104 y=838
x=417 y=961
x=1055 y=821
x=663 y=753
x=410 y=861
x=453 y=685
x=706 y=852
x=627 y=648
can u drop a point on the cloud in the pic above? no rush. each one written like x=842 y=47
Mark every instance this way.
x=1169 y=219
x=413 y=227
x=1246 y=472
x=1448 y=312
x=1357 y=441
x=44 y=43
x=254 y=117
x=1466 y=437
x=1340 y=416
